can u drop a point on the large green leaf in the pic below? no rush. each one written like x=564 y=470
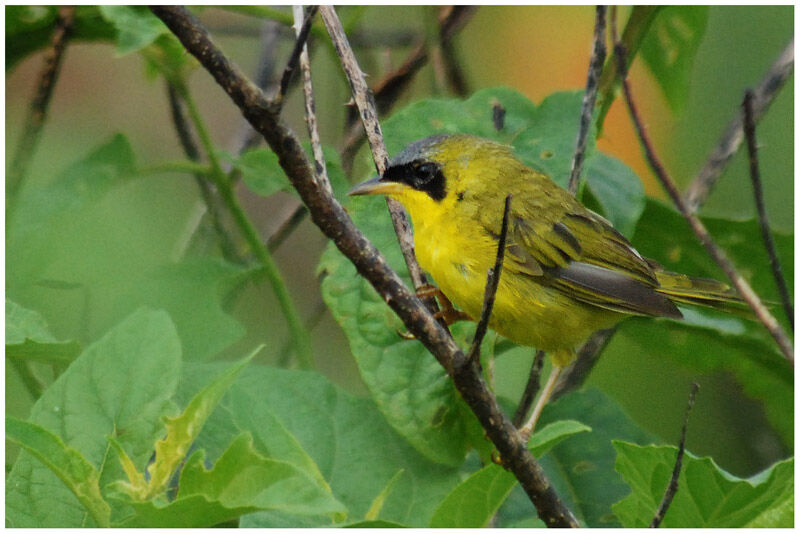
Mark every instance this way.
x=120 y=386
x=241 y=481
x=707 y=496
x=66 y=463
x=136 y=26
x=669 y=48
x=474 y=502
x=581 y=468
x=326 y=433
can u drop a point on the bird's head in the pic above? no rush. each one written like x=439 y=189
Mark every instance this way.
x=439 y=172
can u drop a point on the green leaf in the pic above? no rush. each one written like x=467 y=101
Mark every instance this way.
x=554 y=433
x=581 y=468
x=346 y=437
x=474 y=502
x=66 y=463
x=45 y=214
x=669 y=49
x=184 y=429
x=136 y=26
x=28 y=338
x=193 y=291
x=378 y=523
x=30 y=28
x=261 y=171
x=243 y=477
x=707 y=496
x=728 y=343
x=119 y=386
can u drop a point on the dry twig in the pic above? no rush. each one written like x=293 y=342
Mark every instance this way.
x=589 y=96
x=732 y=138
x=758 y=194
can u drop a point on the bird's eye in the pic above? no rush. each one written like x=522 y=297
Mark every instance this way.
x=426 y=171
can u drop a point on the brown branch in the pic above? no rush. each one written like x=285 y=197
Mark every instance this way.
x=716 y=253
x=531 y=389
x=589 y=97
x=451 y=20
x=758 y=194
x=294 y=57
x=732 y=138
x=331 y=218
x=37 y=112
x=365 y=103
x=492 y=283
x=672 y=487
x=320 y=171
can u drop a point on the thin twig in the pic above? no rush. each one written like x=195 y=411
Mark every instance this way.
x=320 y=170
x=716 y=253
x=672 y=487
x=210 y=198
x=388 y=89
x=331 y=218
x=758 y=194
x=294 y=57
x=37 y=113
x=588 y=355
x=288 y=225
x=451 y=20
x=589 y=97
x=732 y=138
x=531 y=389
x=492 y=283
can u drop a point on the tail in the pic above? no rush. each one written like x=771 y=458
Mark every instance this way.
x=701 y=292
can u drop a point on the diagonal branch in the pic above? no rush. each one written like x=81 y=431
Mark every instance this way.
x=764 y=94
x=589 y=96
x=331 y=218
x=492 y=283
x=758 y=194
x=716 y=253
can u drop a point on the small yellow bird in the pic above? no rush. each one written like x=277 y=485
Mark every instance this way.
x=567 y=272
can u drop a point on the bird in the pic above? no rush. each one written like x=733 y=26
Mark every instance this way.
x=567 y=272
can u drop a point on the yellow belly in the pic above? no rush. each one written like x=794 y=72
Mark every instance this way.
x=525 y=311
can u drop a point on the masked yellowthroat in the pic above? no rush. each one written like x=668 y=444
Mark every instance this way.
x=567 y=272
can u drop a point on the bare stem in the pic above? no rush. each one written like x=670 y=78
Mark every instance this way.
x=716 y=253
x=672 y=487
x=331 y=218
x=320 y=171
x=37 y=113
x=294 y=57
x=732 y=138
x=492 y=283
x=531 y=389
x=589 y=96
x=758 y=194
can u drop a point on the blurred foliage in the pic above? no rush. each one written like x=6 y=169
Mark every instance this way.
x=122 y=316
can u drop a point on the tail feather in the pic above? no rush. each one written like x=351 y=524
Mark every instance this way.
x=701 y=292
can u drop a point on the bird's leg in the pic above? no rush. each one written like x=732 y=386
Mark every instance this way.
x=527 y=430
x=447 y=311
